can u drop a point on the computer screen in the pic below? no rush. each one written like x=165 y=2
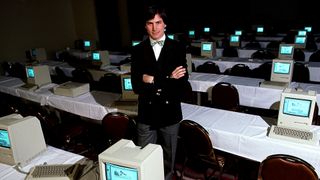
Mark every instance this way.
x=300 y=42
x=124 y=160
x=21 y=139
x=191 y=34
x=127 y=84
x=302 y=33
x=260 y=29
x=135 y=43
x=297 y=108
x=282 y=70
x=86 y=45
x=208 y=49
x=286 y=51
x=238 y=32
x=171 y=36
x=127 y=91
x=234 y=40
x=100 y=58
x=308 y=28
x=206 y=30
x=38 y=75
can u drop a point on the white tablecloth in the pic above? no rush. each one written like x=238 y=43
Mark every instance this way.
x=245 y=135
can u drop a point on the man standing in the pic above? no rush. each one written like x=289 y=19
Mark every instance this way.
x=159 y=75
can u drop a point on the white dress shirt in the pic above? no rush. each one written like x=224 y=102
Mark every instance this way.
x=157 y=47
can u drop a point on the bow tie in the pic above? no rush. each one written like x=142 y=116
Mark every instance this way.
x=161 y=42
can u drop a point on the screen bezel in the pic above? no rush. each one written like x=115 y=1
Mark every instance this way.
x=298 y=37
x=207 y=47
x=276 y=64
x=300 y=99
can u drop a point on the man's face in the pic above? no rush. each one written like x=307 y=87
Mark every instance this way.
x=155 y=27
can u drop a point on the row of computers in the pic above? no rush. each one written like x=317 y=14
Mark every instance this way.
x=208 y=49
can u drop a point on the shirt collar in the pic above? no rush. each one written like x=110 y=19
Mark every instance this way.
x=162 y=38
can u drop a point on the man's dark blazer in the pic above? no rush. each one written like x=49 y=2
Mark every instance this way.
x=159 y=103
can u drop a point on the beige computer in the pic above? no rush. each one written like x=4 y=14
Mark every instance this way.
x=37 y=76
x=300 y=42
x=234 y=41
x=208 y=49
x=295 y=117
x=286 y=51
x=281 y=74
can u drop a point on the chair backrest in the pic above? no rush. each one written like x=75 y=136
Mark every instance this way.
x=263 y=71
x=110 y=82
x=188 y=95
x=253 y=45
x=225 y=96
x=298 y=54
x=117 y=125
x=315 y=57
x=301 y=72
x=61 y=77
x=209 y=67
x=239 y=70
x=83 y=75
x=230 y=52
x=286 y=167
x=195 y=140
x=262 y=54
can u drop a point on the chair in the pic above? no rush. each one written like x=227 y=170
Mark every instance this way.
x=19 y=71
x=208 y=67
x=116 y=126
x=7 y=68
x=188 y=95
x=301 y=73
x=196 y=158
x=60 y=77
x=224 y=96
x=239 y=70
x=230 y=52
x=83 y=75
x=273 y=47
x=298 y=54
x=263 y=71
x=315 y=57
x=253 y=45
x=65 y=130
x=286 y=167
x=262 y=54
x=110 y=82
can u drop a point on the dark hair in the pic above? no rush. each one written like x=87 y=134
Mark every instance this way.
x=152 y=10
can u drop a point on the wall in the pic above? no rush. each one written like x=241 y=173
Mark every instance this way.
x=54 y=25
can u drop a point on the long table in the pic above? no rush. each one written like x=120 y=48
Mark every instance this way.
x=245 y=135
x=51 y=156
x=227 y=62
x=250 y=93
x=94 y=105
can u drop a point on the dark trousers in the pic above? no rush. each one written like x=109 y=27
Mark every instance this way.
x=166 y=137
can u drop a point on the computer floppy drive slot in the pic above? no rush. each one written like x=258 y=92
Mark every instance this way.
x=71 y=89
